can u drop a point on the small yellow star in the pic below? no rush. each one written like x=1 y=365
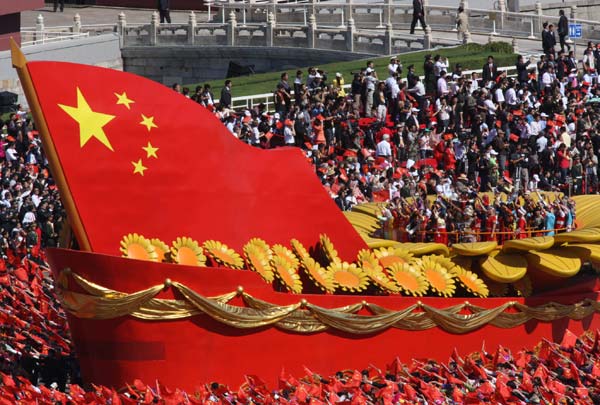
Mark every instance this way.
x=138 y=167
x=122 y=99
x=151 y=151
x=148 y=122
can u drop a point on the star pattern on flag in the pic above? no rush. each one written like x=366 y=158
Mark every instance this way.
x=122 y=99
x=138 y=167
x=91 y=123
x=148 y=122
x=150 y=151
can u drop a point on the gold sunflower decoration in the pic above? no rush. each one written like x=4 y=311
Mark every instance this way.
x=262 y=246
x=318 y=275
x=222 y=254
x=287 y=274
x=328 y=249
x=388 y=256
x=409 y=278
x=471 y=282
x=439 y=279
x=299 y=249
x=135 y=246
x=187 y=251
x=259 y=262
x=286 y=254
x=443 y=261
x=161 y=249
x=348 y=277
x=370 y=265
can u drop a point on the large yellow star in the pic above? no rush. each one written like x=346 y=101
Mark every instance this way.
x=150 y=151
x=148 y=122
x=122 y=99
x=138 y=167
x=90 y=122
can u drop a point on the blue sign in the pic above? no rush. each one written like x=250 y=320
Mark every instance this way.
x=575 y=31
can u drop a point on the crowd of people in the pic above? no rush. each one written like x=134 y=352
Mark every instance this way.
x=550 y=373
x=392 y=134
x=34 y=337
x=458 y=157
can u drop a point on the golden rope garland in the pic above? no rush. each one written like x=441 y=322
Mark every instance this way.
x=99 y=302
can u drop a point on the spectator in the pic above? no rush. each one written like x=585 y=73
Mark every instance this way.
x=164 y=11
x=225 y=100
x=462 y=23
x=563 y=30
x=489 y=71
x=418 y=15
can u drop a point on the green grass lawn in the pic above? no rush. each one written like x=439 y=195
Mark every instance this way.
x=471 y=56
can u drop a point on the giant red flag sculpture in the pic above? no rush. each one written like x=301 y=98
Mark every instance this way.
x=131 y=156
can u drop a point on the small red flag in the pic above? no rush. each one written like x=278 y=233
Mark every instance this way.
x=568 y=340
x=21 y=274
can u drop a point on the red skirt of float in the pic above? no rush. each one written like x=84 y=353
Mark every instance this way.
x=185 y=353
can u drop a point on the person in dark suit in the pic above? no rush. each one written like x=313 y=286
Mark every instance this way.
x=490 y=71
x=548 y=39
x=225 y=99
x=418 y=15
x=164 y=7
x=522 y=73
x=563 y=30
x=62 y=5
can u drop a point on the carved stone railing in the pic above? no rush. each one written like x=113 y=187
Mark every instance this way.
x=378 y=14
x=295 y=24
x=274 y=33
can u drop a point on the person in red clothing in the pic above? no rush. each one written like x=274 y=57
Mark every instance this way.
x=521 y=231
x=319 y=132
x=449 y=158
x=564 y=161
x=561 y=217
x=491 y=224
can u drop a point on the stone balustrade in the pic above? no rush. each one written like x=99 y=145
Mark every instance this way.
x=350 y=25
x=275 y=33
x=379 y=14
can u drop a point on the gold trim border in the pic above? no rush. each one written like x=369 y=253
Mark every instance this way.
x=98 y=302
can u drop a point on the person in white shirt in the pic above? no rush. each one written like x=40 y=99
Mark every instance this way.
x=29 y=218
x=441 y=63
x=499 y=94
x=541 y=143
x=511 y=96
x=384 y=149
x=533 y=127
x=489 y=104
x=288 y=133
x=474 y=83
x=11 y=153
x=442 y=84
x=548 y=77
x=394 y=66
x=391 y=86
